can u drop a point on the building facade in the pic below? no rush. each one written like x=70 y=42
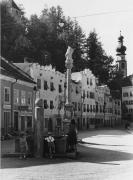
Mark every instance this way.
x=14 y=10
x=127 y=103
x=50 y=88
x=93 y=105
x=88 y=105
x=17 y=99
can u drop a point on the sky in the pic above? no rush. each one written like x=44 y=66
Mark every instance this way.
x=107 y=17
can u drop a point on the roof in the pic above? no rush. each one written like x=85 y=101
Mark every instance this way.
x=14 y=5
x=9 y=69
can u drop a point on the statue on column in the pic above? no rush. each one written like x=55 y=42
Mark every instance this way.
x=69 y=60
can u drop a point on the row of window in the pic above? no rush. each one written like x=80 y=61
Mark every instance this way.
x=130 y=110
x=22 y=96
x=46 y=106
x=94 y=108
x=128 y=94
x=60 y=89
x=130 y=102
x=89 y=82
x=88 y=94
x=46 y=87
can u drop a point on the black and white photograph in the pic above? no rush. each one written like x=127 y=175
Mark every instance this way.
x=66 y=89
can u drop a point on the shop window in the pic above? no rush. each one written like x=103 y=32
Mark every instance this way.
x=7 y=94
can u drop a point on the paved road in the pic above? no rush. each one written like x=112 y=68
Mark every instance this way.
x=104 y=155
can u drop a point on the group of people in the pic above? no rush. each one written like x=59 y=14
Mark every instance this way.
x=71 y=138
x=27 y=141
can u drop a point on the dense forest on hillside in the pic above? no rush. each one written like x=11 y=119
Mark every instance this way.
x=45 y=40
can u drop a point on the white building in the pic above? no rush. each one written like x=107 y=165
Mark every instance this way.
x=127 y=101
x=76 y=101
x=88 y=106
x=99 y=97
x=93 y=105
x=50 y=88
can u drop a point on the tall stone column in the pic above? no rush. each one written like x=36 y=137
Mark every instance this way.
x=39 y=119
x=68 y=104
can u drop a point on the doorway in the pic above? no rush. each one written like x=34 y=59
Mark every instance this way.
x=16 y=121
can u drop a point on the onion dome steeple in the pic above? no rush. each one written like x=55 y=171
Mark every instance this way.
x=121 y=61
x=121 y=49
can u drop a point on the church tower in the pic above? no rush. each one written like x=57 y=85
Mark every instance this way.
x=121 y=61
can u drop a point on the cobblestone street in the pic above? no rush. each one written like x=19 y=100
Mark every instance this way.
x=103 y=154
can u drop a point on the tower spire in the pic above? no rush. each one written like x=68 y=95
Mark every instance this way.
x=121 y=49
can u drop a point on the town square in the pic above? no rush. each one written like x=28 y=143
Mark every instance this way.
x=66 y=93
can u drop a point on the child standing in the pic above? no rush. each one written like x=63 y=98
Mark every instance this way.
x=50 y=140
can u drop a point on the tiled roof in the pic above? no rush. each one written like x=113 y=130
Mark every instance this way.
x=9 y=69
x=14 y=5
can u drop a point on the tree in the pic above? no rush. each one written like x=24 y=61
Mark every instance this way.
x=14 y=44
x=99 y=63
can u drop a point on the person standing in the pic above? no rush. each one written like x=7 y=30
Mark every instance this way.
x=72 y=136
x=23 y=146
